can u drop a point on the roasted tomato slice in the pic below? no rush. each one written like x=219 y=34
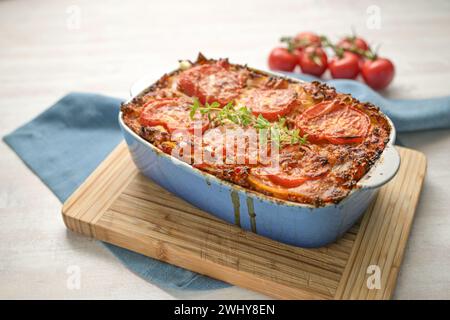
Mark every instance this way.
x=334 y=122
x=212 y=82
x=270 y=103
x=296 y=165
x=173 y=114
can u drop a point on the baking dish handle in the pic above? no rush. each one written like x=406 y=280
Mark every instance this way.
x=385 y=169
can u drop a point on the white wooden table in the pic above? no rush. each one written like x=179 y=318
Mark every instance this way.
x=48 y=48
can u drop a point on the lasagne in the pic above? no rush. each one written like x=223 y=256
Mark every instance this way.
x=287 y=139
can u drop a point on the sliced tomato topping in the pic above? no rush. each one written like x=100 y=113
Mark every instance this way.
x=212 y=82
x=173 y=114
x=290 y=180
x=334 y=122
x=264 y=184
x=295 y=167
x=270 y=103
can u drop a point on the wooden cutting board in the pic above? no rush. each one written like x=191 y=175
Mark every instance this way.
x=118 y=205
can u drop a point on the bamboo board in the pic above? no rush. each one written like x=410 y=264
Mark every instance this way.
x=118 y=205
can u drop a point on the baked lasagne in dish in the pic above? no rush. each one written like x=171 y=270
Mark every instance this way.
x=326 y=141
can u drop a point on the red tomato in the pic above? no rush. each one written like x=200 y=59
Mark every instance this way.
x=353 y=43
x=346 y=67
x=296 y=166
x=281 y=59
x=212 y=82
x=306 y=39
x=298 y=52
x=270 y=103
x=378 y=73
x=361 y=62
x=173 y=114
x=313 y=61
x=334 y=122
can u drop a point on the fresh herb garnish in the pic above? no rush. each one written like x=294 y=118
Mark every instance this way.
x=242 y=116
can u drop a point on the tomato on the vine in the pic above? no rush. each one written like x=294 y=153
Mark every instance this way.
x=378 y=73
x=306 y=39
x=281 y=59
x=352 y=56
x=352 y=43
x=314 y=61
x=345 y=67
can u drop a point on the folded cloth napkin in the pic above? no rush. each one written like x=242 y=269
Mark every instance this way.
x=407 y=114
x=68 y=141
x=65 y=144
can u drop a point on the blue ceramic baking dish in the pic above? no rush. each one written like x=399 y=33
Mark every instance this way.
x=289 y=222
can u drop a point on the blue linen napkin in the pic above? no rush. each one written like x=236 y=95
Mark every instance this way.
x=69 y=140
x=64 y=144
